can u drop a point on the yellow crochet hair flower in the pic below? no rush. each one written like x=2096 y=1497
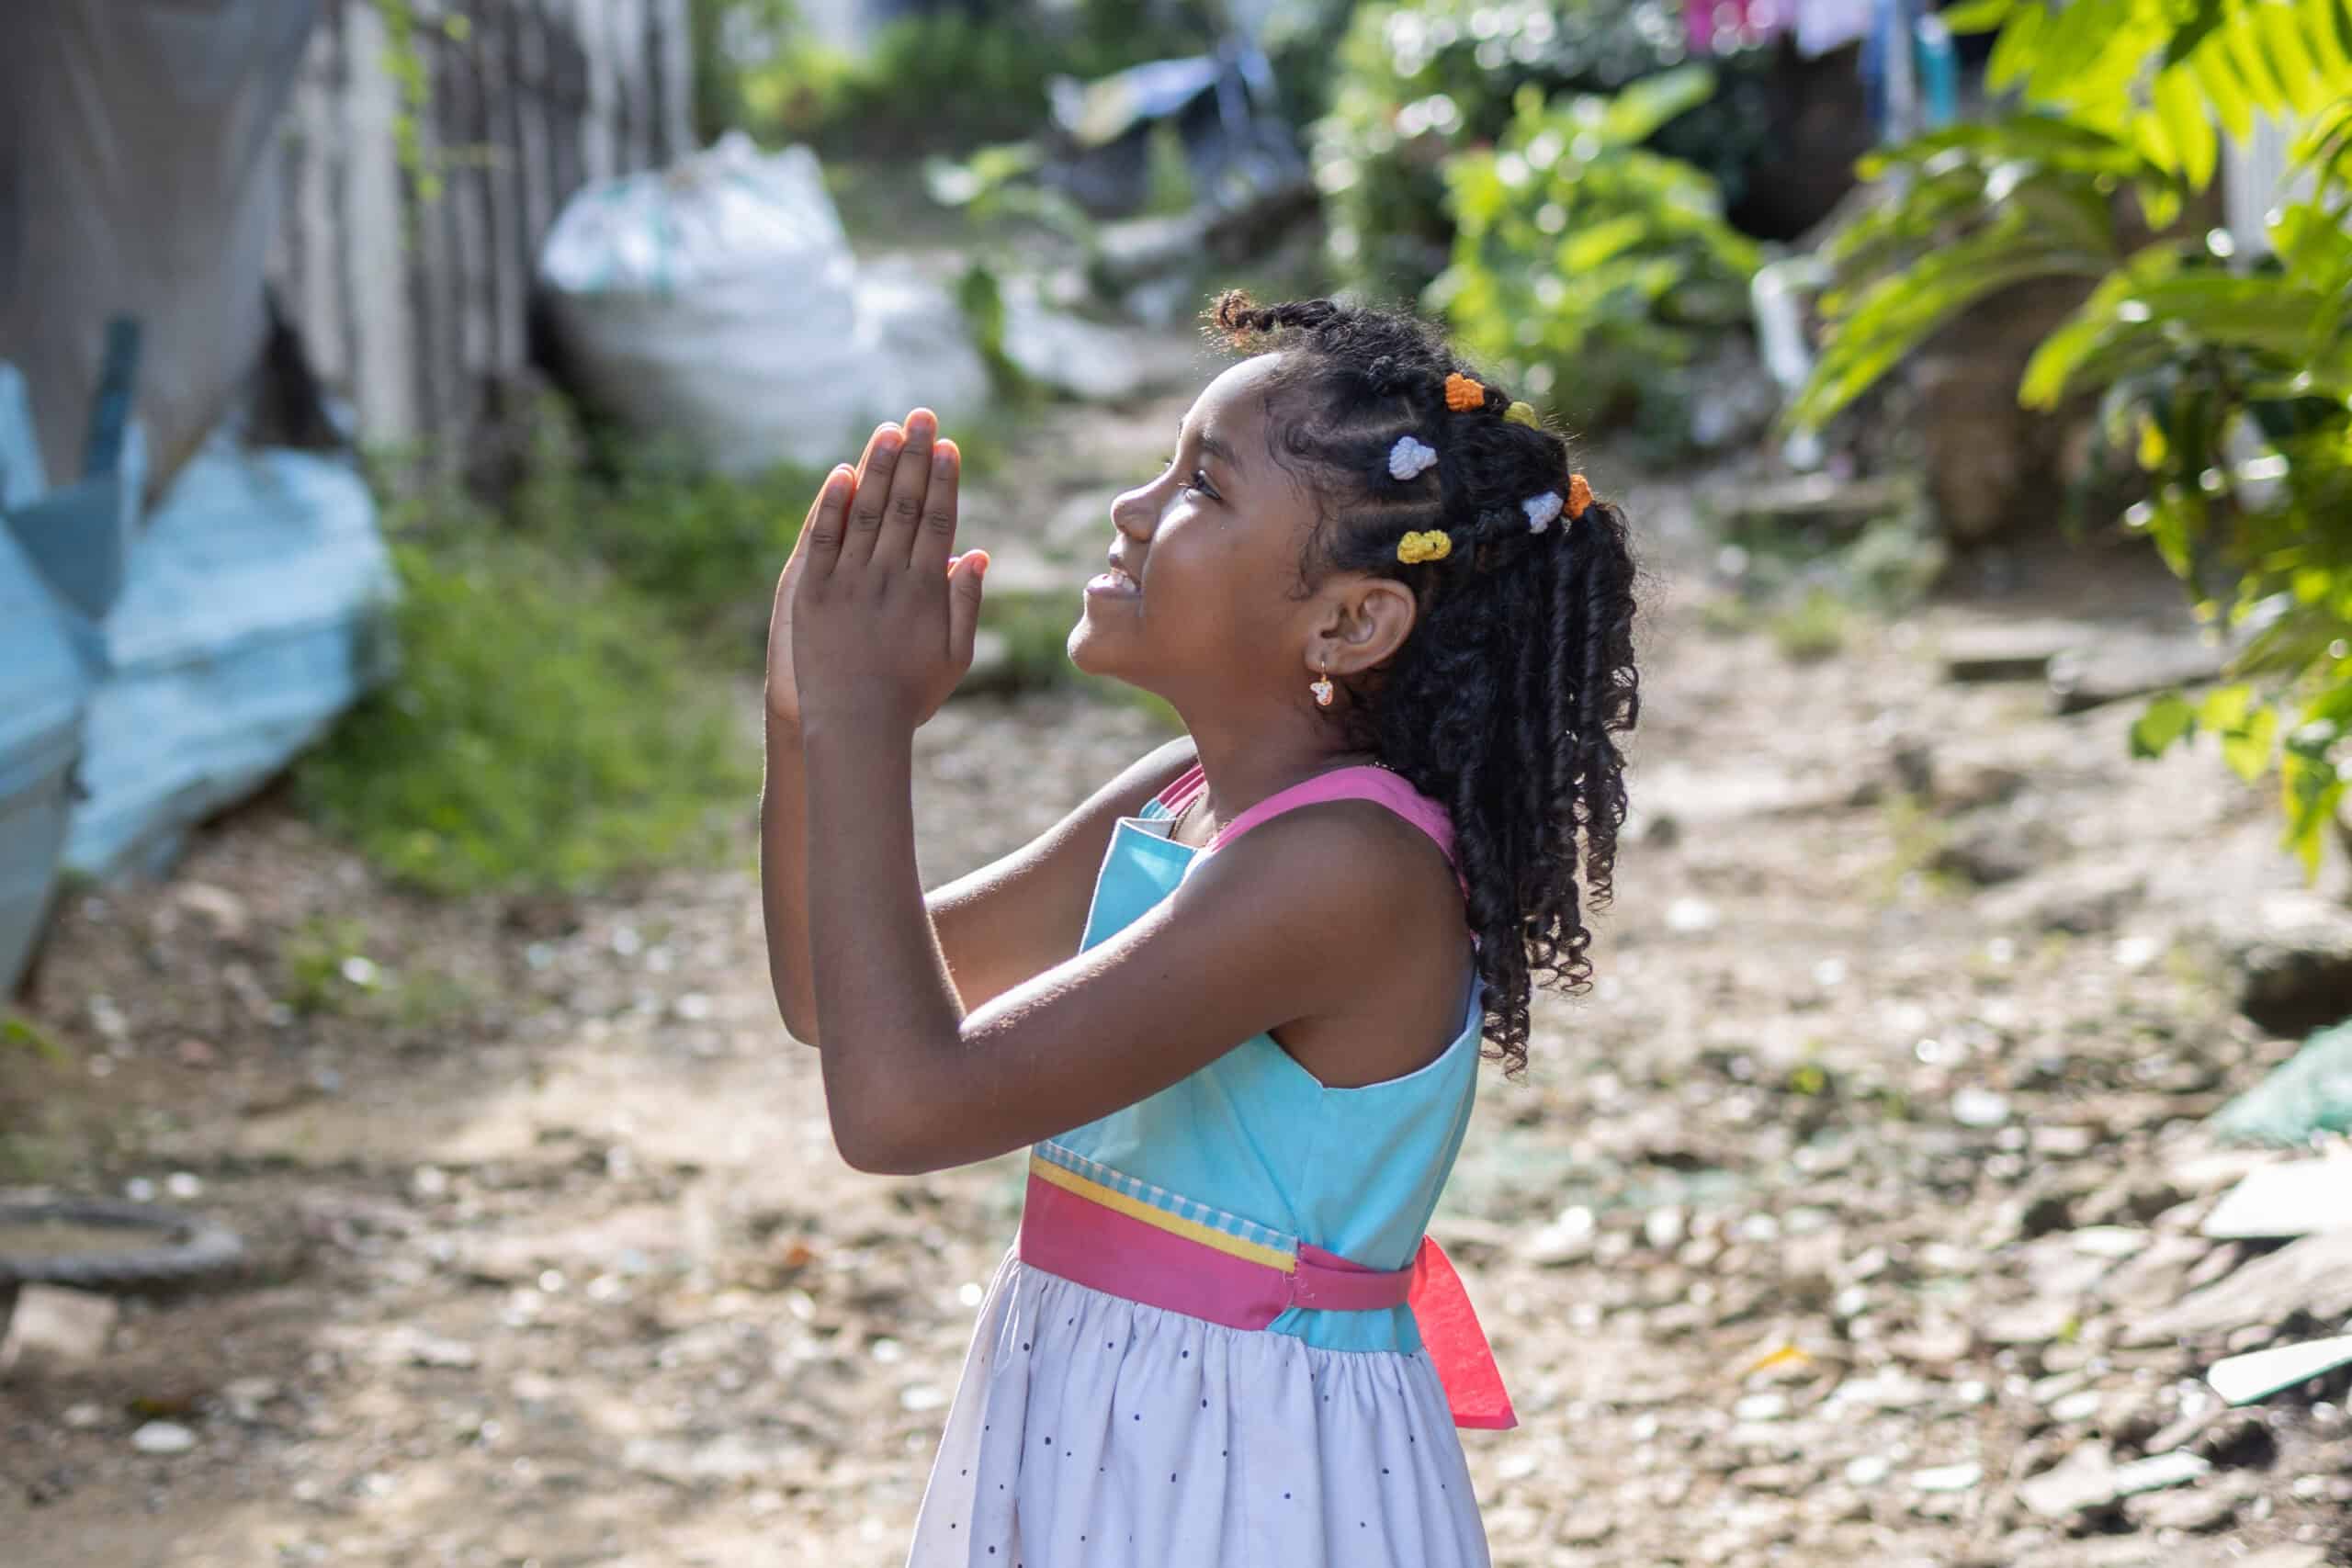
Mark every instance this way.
x=1433 y=544
x=1523 y=413
x=1463 y=394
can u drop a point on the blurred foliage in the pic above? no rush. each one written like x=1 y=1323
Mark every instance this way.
x=1585 y=269
x=1419 y=83
x=932 y=82
x=547 y=728
x=701 y=548
x=2229 y=383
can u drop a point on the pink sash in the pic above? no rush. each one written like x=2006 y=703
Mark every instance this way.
x=1098 y=1236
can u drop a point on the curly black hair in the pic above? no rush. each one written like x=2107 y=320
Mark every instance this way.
x=1505 y=701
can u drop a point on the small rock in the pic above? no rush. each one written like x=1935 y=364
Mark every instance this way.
x=2122 y=666
x=1567 y=1239
x=2192 y=1513
x=58 y=1328
x=1782 y=1480
x=84 y=1416
x=2158 y=1472
x=2000 y=850
x=2011 y=650
x=1976 y=1107
x=1689 y=915
x=1947 y=1477
x=2080 y=1405
x=2311 y=1276
x=163 y=1438
x=1867 y=1469
x=1761 y=1407
x=2084 y=1479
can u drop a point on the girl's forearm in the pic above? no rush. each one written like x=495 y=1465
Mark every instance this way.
x=888 y=1010
x=783 y=879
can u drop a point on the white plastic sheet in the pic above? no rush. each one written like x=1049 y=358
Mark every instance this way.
x=717 y=303
x=136 y=141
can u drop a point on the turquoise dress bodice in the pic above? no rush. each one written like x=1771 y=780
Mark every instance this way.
x=1355 y=1170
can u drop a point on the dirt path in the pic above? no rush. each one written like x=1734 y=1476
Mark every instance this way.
x=561 y=1268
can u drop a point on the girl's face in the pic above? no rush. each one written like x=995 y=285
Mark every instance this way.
x=1198 y=606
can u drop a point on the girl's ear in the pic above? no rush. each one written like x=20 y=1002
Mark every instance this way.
x=1368 y=622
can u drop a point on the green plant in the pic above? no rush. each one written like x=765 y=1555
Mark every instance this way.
x=1418 y=84
x=703 y=547
x=935 y=80
x=18 y=1032
x=326 y=965
x=548 y=727
x=2230 y=383
x=1812 y=628
x=1586 y=268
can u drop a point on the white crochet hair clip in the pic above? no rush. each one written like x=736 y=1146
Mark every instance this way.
x=1408 y=457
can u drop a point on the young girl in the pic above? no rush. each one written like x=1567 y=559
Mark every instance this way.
x=1232 y=1004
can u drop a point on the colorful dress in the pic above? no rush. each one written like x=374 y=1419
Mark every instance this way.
x=1144 y=1390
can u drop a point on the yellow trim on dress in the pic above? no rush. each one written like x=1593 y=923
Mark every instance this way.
x=1150 y=1214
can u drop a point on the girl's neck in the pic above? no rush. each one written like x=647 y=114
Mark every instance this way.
x=1242 y=767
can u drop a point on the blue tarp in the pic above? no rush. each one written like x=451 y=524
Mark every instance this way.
x=44 y=688
x=250 y=617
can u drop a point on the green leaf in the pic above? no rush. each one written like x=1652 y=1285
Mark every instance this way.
x=2325 y=25
x=2167 y=720
x=2219 y=76
x=2193 y=33
x=2298 y=72
x=2185 y=125
x=1642 y=107
x=2246 y=749
x=2242 y=35
x=2013 y=51
x=2226 y=707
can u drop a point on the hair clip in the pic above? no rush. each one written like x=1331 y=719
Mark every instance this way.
x=1522 y=413
x=1408 y=457
x=1541 y=510
x=1463 y=394
x=1436 y=543
x=1580 y=497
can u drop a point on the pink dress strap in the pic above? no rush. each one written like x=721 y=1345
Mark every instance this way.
x=1362 y=782
x=1179 y=794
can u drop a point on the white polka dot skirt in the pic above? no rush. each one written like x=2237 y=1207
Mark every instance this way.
x=1091 y=1431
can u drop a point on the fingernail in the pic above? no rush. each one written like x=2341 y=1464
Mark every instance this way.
x=943 y=460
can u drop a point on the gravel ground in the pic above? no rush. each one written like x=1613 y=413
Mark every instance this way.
x=1849 y=1221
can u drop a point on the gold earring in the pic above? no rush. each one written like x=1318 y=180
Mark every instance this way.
x=1321 y=687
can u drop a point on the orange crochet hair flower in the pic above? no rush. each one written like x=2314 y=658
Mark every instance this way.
x=1463 y=394
x=1579 y=495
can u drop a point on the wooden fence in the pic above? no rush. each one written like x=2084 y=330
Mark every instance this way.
x=413 y=300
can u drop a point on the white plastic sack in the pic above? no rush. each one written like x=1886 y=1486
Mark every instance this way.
x=250 y=618
x=718 y=304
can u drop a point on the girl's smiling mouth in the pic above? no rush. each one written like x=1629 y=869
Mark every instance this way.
x=1112 y=584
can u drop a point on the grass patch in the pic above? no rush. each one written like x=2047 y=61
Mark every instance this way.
x=1815 y=627
x=547 y=729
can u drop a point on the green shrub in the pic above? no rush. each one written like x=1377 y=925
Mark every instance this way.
x=1421 y=82
x=1585 y=268
x=2231 y=384
x=547 y=728
x=927 y=82
x=702 y=548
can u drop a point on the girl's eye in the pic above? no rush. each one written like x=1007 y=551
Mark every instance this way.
x=1199 y=481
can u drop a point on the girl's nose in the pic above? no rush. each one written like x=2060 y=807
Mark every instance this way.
x=1137 y=512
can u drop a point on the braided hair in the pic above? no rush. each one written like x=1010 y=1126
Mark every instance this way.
x=1504 y=701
